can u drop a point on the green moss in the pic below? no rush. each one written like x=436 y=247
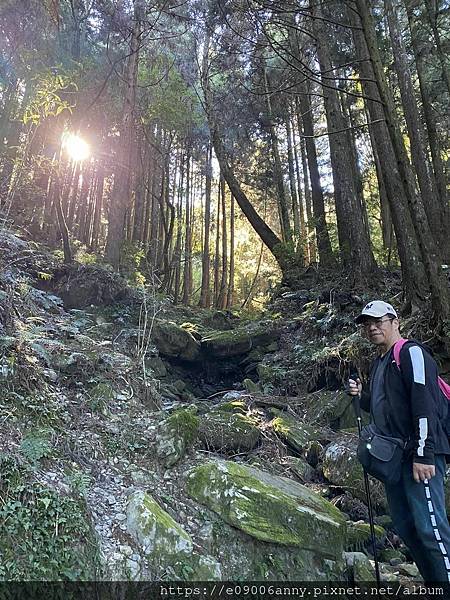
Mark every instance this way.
x=233 y=406
x=358 y=535
x=184 y=423
x=229 y=432
x=269 y=508
x=293 y=432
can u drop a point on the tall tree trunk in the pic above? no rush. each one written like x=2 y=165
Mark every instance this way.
x=121 y=192
x=304 y=114
x=312 y=244
x=230 y=294
x=98 y=208
x=429 y=252
x=431 y=8
x=293 y=188
x=216 y=287
x=62 y=222
x=427 y=185
x=206 y=259
x=422 y=48
x=354 y=243
x=266 y=234
x=301 y=195
x=414 y=278
x=187 y=271
x=277 y=168
x=222 y=299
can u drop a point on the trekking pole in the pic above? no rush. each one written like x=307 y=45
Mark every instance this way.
x=356 y=401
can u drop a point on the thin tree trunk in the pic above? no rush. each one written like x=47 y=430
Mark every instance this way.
x=277 y=168
x=222 y=299
x=187 y=271
x=304 y=114
x=216 y=287
x=230 y=295
x=293 y=188
x=205 y=299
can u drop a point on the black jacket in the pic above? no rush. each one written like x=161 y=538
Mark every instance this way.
x=415 y=408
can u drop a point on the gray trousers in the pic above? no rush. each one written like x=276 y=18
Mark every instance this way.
x=420 y=519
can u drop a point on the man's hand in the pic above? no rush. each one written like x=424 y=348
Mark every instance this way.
x=354 y=387
x=422 y=472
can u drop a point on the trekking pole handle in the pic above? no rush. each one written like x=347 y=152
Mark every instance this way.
x=356 y=399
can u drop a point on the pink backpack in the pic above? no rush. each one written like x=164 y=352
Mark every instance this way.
x=443 y=385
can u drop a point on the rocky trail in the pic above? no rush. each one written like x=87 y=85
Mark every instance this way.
x=144 y=441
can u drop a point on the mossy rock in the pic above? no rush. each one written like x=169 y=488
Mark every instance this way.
x=359 y=535
x=235 y=342
x=175 y=434
x=294 y=433
x=165 y=543
x=251 y=387
x=269 y=508
x=342 y=468
x=360 y=567
x=390 y=554
x=300 y=468
x=232 y=406
x=333 y=409
x=174 y=341
x=228 y=432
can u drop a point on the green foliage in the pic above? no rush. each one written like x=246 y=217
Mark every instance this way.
x=131 y=257
x=43 y=535
x=36 y=445
x=172 y=102
x=47 y=98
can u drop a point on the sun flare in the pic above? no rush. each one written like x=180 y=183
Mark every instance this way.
x=75 y=146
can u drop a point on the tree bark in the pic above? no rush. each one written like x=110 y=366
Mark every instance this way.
x=286 y=232
x=354 y=243
x=230 y=293
x=428 y=250
x=427 y=185
x=304 y=114
x=205 y=299
x=422 y=47
x=120 y=196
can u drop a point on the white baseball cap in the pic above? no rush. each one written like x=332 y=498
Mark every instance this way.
x=376 y=309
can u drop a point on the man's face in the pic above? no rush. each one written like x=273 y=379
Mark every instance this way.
x=381 y=331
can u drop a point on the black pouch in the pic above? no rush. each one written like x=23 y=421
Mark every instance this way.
x=380 y=455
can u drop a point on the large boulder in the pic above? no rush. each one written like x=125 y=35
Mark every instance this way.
x=165 y=543
x=85 y=285
x=342 y=468
x=228 y=432
x=269 y=508
x=174 y=341
x=224 y=344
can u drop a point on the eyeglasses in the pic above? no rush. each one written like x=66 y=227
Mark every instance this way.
x=377 y=322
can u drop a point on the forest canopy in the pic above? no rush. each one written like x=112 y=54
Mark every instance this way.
x=213 y=148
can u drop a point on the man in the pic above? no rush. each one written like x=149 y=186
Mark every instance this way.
x=405 y=402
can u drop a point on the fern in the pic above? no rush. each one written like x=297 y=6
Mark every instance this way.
x=35 y=445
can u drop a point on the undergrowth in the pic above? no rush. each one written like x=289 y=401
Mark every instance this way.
x=44 y=535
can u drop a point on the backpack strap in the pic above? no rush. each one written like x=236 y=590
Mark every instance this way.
x=397 y=349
